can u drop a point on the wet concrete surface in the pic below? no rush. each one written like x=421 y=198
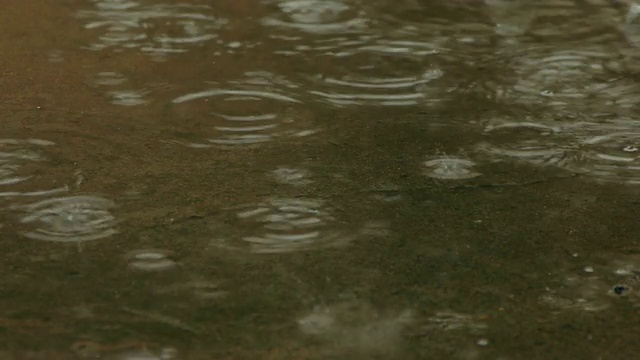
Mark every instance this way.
x=319 y=180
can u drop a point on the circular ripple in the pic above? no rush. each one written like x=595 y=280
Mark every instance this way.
x=608 y=151
x=574 y=22
x=605 y=150
x=291 y=176
x=316 y=16
x=157 y=29
x=120 y=96
x=379 y=91
x=151 y=260
x=572 y=80
x=15 y=156
x=256 y=109
x=529 y=141
x=450 y=169
x=69 y=219
x=288 y=225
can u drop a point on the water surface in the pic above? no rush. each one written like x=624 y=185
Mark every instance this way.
x=306 y=179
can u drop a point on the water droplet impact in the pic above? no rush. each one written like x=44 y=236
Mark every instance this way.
x=315 y=16
x=151 y=260
x=155 y=29
x=450 y=169
x=69 y=219
x=593 y=149
x=128 y=97
x=373 y=90
x=259 y=108
x=287 y=225
x=15 y=156
x=563 y=80
x=291 y=176
x=109 y=78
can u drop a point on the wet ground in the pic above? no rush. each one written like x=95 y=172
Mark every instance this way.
x=319 y=179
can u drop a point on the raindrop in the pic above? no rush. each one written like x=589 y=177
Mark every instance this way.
x=258 y=108
x=450 y=169
x=69 y=219
x=288 y=225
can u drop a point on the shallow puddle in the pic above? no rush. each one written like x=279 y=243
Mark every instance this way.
x=306 y=179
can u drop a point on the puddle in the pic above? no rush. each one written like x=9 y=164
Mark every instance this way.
x=314 y=179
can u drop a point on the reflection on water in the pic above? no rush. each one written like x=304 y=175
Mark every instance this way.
x=69 y=219
x=256 y=109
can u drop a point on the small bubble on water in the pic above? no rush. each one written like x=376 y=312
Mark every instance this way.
x=482 y=342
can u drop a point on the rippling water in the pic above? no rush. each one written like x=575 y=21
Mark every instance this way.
x=287 y=225
x=156 y=29
x=14 y=153
x=319 y=179
x=151 y=260
x=259 y=108
x=450 y=168
x=69 y=219
x=605 y=150
x=16 y=159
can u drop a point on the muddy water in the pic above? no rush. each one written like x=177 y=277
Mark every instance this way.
x=307 y=179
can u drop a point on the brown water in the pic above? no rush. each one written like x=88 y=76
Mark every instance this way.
x=319 y=179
